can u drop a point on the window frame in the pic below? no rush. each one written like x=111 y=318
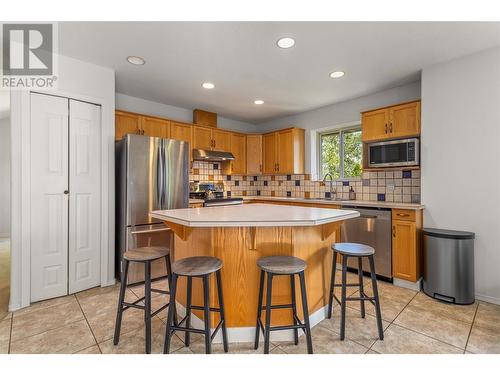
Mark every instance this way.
x=341 y=131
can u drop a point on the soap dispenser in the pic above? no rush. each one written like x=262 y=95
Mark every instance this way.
x=352 y=194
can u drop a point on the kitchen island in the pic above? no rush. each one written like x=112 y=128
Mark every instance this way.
x=239 y=236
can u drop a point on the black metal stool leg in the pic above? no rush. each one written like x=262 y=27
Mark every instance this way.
x=206 y=305
x=259 y=309
x=377 y=301
x=267 y=331
x=169 y=278
x=332 y=285
x=294 y=310
x=222 y=314
x=361 y=288
x=147 y=304
x=121 y=299
x=343 y=298
x=189 y=291
x=306 y=312
x=170 y=318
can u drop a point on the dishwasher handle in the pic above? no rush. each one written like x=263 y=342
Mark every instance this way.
x=365 y=216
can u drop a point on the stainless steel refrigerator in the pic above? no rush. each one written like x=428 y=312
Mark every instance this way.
x=151 y=174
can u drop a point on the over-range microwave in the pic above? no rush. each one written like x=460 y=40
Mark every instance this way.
x=400 y=152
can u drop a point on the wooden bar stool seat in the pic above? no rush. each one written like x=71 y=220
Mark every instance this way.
x=202 y=267
x=278 y=266
x=359 y=251
x=145 y=255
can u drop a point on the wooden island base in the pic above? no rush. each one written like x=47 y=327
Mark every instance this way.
x=239 y=248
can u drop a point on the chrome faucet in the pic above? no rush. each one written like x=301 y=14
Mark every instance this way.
x=333 y=192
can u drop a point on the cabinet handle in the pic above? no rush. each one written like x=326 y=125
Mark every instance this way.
x=142 y=131
x=260 y=167
x=390 y=127
x=402 y=215
x=393 y=231
x=278 y=167
x=385 y=128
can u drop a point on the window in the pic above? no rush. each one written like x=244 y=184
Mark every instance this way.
x=340 y=153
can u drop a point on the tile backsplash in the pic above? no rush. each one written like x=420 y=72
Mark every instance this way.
x=395 y=185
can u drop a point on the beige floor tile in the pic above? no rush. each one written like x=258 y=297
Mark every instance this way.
x=463 y=313
x=198 y=347
x=431 y=323
x=91 y=350
x=183 y=350
x=5 y=326
x=324 y=342
x=43 y=304
x=488 y=316
x=399 y=340
x=278 y=350
x=390 y=307
x=69 y=338
x=363 y=331
x=133 y=342
x=97 y=291
x=370 y=351
x=44 y=319
x=103 y=323
x=160 y=284
x=8 y=316
x=484 y=340
x=97 y=303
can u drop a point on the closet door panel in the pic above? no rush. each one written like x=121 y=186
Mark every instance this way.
x=85 y=202
x=48 y=201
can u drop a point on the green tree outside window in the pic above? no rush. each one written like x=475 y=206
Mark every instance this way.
x=341 y=153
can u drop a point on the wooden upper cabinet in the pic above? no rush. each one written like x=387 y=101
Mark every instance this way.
x=222 y=140
x=126 y=123
x=254 y=154
x=238 y=149
x=375 y=125
x=155 y=127
x=398 y=121
x=270 y=152
x=283 y=152
x=404 y=120
x=181 y=132
x=202 y=138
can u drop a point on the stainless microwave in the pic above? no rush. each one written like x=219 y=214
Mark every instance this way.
x=397 y=153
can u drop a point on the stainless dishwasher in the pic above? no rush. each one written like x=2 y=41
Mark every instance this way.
x=373 y=228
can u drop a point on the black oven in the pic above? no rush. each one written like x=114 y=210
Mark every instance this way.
x=397 y=153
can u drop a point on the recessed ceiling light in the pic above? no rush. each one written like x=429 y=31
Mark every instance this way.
x=285 y=42
x=208 y=85
x=136 y=60
x=337 y=74
x=258 y=102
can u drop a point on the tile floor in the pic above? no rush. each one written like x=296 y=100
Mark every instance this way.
x=414 y=323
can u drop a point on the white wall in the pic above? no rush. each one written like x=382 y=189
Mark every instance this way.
x=4 y=177
x=347 y=112
x=81 y=81
x=461 y=157
x=133 y=104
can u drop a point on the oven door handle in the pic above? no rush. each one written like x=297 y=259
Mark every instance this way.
x=151 y=231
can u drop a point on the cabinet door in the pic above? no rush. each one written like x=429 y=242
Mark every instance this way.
x=269 y=152
x=180 y=132
x=126 y=123
x=238 y=149
x=375 y=125
x=155 y=127
x=222 y=140
x=49 y=203
x=404 y=120
x=286 y=155
x=404 y=251
x=254 y=154
x=202 y=138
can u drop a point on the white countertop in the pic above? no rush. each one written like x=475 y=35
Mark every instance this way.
x=409 y=206
x=253 y=215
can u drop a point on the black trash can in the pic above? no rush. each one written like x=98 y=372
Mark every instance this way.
x=449 y=265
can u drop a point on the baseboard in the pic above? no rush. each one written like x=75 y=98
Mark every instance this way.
x=488 y=299
x=247 y=334
x=408 y=284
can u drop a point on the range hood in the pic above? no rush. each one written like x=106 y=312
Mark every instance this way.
x=210 y=155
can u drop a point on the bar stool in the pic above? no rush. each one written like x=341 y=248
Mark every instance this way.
x=144 y=255
x=202 y=267
x=274 y=266
x=359 y=251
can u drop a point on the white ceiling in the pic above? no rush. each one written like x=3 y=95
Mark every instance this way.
x=243 y=61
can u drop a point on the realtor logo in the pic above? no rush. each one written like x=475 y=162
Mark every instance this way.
x=28 y=55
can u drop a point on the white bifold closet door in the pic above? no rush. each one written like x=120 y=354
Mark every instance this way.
x=65 y=181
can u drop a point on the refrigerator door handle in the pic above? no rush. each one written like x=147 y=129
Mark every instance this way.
x=159 y=176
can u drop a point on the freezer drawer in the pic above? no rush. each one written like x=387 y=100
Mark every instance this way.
x=372 y=228
x=148 y=235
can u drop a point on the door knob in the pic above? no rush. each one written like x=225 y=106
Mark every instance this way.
x=66 y=191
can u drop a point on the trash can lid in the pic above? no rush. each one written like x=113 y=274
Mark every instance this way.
x=446 y=233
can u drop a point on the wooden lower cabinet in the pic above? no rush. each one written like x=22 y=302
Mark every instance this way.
x=406 y=249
